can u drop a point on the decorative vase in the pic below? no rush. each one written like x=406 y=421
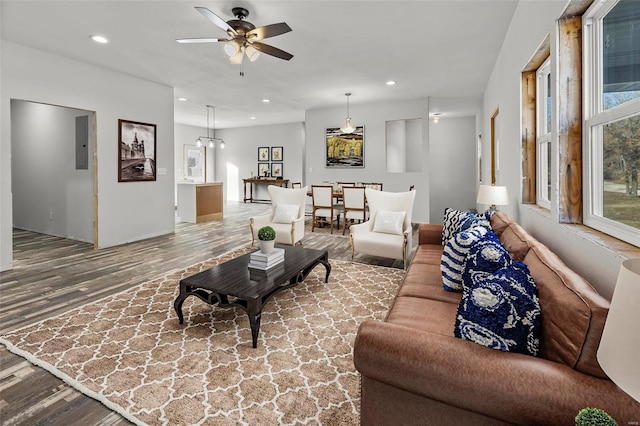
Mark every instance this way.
x=267 y=246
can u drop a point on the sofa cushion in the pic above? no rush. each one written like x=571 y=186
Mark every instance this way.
x=573 y=313
x=455 y=254
x=513 y=237
x=423 y=314
x=423 y=280
x=486 y=255
x=501 y=310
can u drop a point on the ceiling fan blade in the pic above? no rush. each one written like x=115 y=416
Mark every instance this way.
x=200 y=40
x=273 y=51
x=269 y=31
x=218 y=21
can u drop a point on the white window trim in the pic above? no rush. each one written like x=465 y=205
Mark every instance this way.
x=594 y=117
x=542 y=137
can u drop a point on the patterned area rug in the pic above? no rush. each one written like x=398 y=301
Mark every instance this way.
x=129 y=351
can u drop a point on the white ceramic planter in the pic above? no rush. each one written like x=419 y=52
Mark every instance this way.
x=267 y=246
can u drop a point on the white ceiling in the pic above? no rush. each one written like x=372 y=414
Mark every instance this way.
x=431 y=48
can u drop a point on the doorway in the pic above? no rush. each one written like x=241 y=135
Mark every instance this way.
x=54 y=170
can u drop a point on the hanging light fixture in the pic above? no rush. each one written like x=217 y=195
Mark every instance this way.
x=348 y=127
x=211 y=138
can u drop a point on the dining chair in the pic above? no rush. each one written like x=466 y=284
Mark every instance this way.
x=296 y=185
x=373 y=185
x=354 y=205
x=323 y=209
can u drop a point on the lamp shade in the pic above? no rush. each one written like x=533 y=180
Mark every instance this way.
x=620 y=343
x=493 y=195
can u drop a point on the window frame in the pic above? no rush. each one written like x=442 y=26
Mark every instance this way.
x=543 y=137
x=595 y=118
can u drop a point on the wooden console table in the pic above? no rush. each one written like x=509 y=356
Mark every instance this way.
x=251 y=181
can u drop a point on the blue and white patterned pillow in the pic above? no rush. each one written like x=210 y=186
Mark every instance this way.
x=471 y=220
x=452 y=218
x=455 y=254
x=486 y=255
x=501 y=311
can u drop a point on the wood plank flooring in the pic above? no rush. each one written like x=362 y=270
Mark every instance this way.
x=52 y=275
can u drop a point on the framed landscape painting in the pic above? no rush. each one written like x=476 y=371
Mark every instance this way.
x=136 y=151
x=344 y=149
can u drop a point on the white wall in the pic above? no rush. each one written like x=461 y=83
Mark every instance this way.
x=240 y=157
x=532 y=21
x=373 y=117
x=127 y=211
x=452 y=165
x=49 y=195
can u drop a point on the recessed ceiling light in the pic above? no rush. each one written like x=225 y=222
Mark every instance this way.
x=253 y=118
x=391 y=82
x=266 y=101
x=182 y=99
x=99 y=39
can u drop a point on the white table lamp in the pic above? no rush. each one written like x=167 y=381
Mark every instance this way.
x=493 y=195
x=619 y=350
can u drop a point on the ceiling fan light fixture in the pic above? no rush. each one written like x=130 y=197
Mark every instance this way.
x=348 y=127
x=252 y=53
x=230 y=48
x=237 y=58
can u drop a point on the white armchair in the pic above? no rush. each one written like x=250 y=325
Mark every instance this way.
x=286 y=217
x=388 y=231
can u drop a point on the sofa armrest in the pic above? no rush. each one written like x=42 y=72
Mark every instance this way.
x=430 y=233
x=508 y=386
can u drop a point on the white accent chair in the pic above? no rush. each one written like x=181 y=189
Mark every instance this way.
x=385 y=238
x=285 y=218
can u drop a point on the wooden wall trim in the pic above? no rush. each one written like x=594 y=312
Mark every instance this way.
x=570 y=119
x=529 y=137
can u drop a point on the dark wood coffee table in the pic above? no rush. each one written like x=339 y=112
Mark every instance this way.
x=250 y=289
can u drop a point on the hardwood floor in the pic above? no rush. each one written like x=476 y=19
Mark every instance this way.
x=52 y=275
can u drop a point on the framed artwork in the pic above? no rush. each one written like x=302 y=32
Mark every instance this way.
x=276 y=153
x=479 y=153
x=495 y=139
x=263 y=153
x=276 y=170
x=137 y=151
x=194 y=166
x=344 y=149
x=263 y=169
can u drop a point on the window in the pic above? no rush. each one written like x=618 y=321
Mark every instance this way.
x=612 y=118
x=543 y=135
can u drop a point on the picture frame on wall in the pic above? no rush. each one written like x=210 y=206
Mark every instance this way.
x=263 y=153
x=136 y=151
x=264 y=170
x=276 y=170
x=194 y=163
x=344 y=150
x=277 y=153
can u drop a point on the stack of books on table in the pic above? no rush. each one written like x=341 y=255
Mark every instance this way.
x=260 y=260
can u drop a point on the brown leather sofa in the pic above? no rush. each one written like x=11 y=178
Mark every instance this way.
x=415 y=372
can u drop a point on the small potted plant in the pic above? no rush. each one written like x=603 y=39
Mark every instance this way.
x=594 y=417
x=267 y=237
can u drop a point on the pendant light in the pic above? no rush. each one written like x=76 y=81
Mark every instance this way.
x=347 y=127
x=210 y=137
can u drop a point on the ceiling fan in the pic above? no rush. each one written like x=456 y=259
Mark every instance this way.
x=244 y=36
